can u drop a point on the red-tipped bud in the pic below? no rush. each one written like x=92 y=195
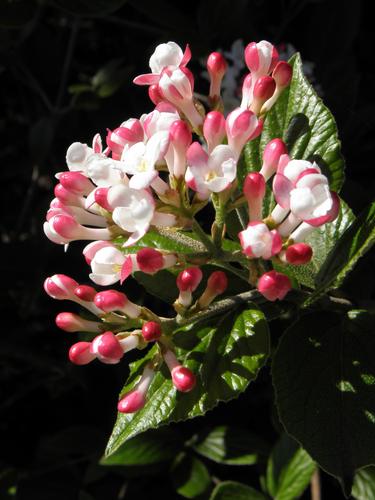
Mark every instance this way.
x=101 y=198
x=136 y=399
x=183 y=379
x=241 y=127
x=261 y=57
x=80 y=353
x=254 y=186
x=65 y=225
x=60 y=287
x=76 y=183
x=274 y=286
x=282 y=74
x=214 y=129
x=131 y=402
x=298 y=253
x=70 y=322
x=66 y=196
x=154 y=94
x=271 y=157
x=217 y=282
x=189 y=279
x=85 y=293
x=180 y=134
x=110 y=300
x=107 y=348
x=264 y=88
x=216 y=64
x=149 y=260
x=151 y=331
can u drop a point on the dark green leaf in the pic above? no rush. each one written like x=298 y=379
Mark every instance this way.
x=225 y=355
x=322 y=241
x=289 y=470
x=230 y=445
x=190 y=476
x=356 y=240
x=168 y=240
x=364 y=484
x=306 y=125
x=152 y=447
x=231 y=490
x=324 y=378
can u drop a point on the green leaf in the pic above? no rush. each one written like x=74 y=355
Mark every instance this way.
x=230 y=445
x=190 y=476
x=364 y=484
x=154 y=446
x=289 y=470
x=301 y=119
x=322 y=241
x=356 y=240
x=324 y=378
x=231 y=490
x=163 y=239
x=225 y=355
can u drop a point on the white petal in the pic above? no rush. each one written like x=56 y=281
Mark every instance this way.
x=143 y=180
x=104 y=279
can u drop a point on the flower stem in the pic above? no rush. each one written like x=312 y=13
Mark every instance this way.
x=205 y=239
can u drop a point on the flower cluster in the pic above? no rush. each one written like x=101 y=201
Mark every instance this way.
x=155 y=173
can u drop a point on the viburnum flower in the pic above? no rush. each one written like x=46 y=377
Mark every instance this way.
x=210 y=173
x=166 y=55
x=258 y=241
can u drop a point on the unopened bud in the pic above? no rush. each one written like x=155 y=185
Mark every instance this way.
x=80 y=353
x=298 y=254
x=216 y=285
x=271 y=157
x=273 y=285
x=151 y=331
x=72 y=323
x=263 y=90
x=254 y=189
x=112 y=300
x=216 y=67
x=214 y=129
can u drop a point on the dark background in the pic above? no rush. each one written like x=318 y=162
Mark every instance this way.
x=65 y=71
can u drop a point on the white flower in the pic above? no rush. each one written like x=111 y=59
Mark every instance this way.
x=77 y=156
x=213 y=173
x=311 y=197
x=133 y=210
x=166 y=54
x=106 y=266
x=139 y=160
x=258 y=241
x=103 y=171
x=294 y=168
x=158 y=121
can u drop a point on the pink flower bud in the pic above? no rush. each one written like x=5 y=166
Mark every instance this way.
x=149 y=260
x=136 y=399
x=154 y=94
x=241 y=127
x=263 y=90
x=66 y=228
x=112 y=300
x=76 y=183
x=217 y=282
x=274 y=285
x=101 y=198
x=80 y=353
x=70 y=322
x=90 y=250
x=67 y=197
x=261 y=57
x=214 y=129
x=131 y=402
x=254 y=189
x=107 y=348
x=180 y=134
x=282 y=74
x=189 y=279
x=298 y=253
x=271 y=157
x=182 y=377
x=85 y=292
x=216 y=67
x=151 y=331
x=216 y=285
x=60 y=287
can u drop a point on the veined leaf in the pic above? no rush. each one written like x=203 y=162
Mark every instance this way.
x=225 y=355
x=324 y=378
x=231 y=490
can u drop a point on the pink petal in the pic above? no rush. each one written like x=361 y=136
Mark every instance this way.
x=186 y=57
x=147 y=79
x=126 y=269
x=282 y=187
x=196 y=155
